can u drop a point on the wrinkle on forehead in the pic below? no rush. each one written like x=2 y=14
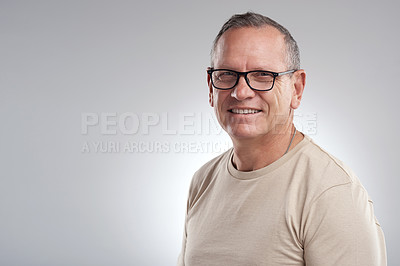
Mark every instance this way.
x=251 y=48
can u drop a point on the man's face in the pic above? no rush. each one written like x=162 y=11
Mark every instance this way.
x=247 y=49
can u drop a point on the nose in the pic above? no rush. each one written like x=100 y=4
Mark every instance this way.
x=242 y=91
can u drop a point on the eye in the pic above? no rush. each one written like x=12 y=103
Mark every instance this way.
x=224 y=75
x=261 y=76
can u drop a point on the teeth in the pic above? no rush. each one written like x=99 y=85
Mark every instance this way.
x=245 y=111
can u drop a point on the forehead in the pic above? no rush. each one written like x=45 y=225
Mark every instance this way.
x=251 y=48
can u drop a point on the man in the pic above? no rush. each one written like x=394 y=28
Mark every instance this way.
x=275 y=198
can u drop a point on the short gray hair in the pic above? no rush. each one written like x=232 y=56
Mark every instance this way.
x=255 y=20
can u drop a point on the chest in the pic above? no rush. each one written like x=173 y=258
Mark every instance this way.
x=237 y=223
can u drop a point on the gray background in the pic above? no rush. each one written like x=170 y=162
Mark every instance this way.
x=61 y=59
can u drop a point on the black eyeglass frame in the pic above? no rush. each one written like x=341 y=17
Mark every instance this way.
x=274 y=74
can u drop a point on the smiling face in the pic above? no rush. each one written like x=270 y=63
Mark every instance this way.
x=242 y=112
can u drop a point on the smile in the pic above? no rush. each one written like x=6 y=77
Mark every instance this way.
x=244 y=111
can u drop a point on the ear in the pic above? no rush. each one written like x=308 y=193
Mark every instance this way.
x=211 y=92
x=299 y=84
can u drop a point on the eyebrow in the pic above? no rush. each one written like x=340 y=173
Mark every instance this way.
x=264 y=68
x=252 y=69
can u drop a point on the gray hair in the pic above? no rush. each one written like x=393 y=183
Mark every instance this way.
x=255 y=20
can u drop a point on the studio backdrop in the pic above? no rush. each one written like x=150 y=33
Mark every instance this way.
x=105 y=117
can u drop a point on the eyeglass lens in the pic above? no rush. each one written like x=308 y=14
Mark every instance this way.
x=259 y=80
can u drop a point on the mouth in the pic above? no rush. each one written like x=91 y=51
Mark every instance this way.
x=244 y=111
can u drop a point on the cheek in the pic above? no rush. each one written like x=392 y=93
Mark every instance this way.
x=219 y=98
x=282 y=98
x=277 y=105
x=220 y=102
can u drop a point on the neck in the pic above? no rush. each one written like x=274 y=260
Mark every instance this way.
x=253 y=154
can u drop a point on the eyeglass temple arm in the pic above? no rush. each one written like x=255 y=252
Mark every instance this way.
x=286 y=72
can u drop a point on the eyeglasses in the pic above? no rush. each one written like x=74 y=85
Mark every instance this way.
x=258 y=80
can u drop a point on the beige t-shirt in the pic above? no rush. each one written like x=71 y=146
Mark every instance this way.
x=306 y=208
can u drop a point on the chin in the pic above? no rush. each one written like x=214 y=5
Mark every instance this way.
x=241 y=132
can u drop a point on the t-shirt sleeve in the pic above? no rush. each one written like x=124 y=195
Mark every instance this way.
x=193 y=191
x=341 y=229
x=181 y=257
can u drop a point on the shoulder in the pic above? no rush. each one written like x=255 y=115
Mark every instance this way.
x=330 y=203
x=318 y=174
x=321 y=165
x=206 y=175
